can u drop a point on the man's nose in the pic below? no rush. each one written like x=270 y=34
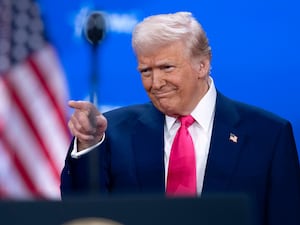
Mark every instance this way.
x=158 y=79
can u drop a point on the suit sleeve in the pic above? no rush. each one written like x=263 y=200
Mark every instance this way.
x=284 y=185
x=75 y=174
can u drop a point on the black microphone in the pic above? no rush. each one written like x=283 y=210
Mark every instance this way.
x=95 y=27
x=94 y=31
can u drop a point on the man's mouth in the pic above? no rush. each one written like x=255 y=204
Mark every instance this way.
x=163 y=94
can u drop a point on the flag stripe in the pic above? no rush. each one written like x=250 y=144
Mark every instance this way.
x=46 y=59
x=19 y=166
x=29 y=152
x=29 y=121
x=3 y=193
x=49 y=93
x=14 y=184
x=46 y=120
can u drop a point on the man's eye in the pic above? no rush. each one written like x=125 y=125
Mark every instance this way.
x=145 y=72
x=168 y=68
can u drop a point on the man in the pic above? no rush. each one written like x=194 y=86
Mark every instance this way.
x=238 y=148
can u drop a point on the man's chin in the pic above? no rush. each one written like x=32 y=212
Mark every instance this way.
x=167 y=110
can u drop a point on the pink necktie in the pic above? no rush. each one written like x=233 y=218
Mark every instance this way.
x=181 y=180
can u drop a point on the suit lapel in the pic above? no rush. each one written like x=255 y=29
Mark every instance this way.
x=148 y=147
x=226 y=142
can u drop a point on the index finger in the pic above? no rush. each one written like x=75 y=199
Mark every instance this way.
x=80 y=105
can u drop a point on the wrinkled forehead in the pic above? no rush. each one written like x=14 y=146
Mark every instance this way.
x=153 y=48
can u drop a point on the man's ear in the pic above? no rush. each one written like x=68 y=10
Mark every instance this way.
x=203 y=68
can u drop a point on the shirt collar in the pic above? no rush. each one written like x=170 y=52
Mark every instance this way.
x=204 y=110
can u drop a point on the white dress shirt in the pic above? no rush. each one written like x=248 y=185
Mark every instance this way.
x=200 y=131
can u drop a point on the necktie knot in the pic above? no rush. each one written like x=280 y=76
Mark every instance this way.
x=186 y=120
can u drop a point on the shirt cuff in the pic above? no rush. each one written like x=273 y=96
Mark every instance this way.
x=75 y=154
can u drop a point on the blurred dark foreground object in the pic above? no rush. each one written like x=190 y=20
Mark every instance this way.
x=147 y=210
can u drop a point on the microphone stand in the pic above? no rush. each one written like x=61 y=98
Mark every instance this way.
x=94 y=78
x=94 y=156
x=95 y=28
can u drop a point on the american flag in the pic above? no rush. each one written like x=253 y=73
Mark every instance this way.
x=33 y=132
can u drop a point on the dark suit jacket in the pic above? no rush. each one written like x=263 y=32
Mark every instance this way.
x=263 y=163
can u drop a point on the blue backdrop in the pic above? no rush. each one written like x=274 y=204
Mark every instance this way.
x=255 y=49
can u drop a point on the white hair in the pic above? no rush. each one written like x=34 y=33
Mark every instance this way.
x=160 y=30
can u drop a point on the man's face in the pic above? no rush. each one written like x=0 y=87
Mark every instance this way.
x=172 y=83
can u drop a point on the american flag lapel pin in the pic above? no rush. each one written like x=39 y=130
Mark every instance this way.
x=233 y=138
